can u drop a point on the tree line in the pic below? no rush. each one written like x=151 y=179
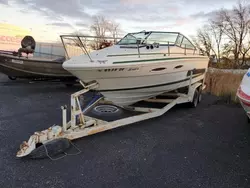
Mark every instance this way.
x=227 y=33
x=101 y=28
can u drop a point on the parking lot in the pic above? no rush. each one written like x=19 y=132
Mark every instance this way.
x=207 y=146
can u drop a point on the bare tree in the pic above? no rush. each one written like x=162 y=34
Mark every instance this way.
x=216 y=30
x=198 y=45
x=209 y=40
x=203 y=41
x=235 y=24
x=79 y=41
x=245 y=49
x=100 y=27
x=226 y=49
x=114 y=29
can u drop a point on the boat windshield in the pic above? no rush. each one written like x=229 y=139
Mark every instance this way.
x=163 y=38
x=132 y=38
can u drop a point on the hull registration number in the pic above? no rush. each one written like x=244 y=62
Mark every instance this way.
x=17 y=61
x=118 y=69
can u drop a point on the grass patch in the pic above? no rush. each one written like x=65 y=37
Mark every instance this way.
x=223 y=85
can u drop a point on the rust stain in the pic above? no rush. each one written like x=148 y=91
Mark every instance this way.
x=96 y=130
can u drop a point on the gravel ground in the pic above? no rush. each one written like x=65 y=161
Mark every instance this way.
x=204 y=147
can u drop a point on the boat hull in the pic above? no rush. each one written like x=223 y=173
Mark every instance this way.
x=125 y=97
x=125 y=85
x=29 y=68
x=243 y=93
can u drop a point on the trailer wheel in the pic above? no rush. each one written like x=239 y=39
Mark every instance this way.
x=195 y=100
x=106 y=110
x=200 y=94
x=12 y=77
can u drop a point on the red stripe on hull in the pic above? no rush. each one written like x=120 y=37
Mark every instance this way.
x=243 y=96
x=246 y=103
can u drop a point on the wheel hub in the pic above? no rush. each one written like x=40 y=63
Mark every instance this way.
x=106 y=109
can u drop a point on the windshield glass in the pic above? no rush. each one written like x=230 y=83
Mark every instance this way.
x=163 y=38
x=132 y=37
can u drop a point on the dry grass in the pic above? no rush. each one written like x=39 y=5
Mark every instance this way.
x=223 y=85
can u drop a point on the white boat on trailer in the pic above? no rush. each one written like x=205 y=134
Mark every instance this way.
x=185 y=86
x=139 y=66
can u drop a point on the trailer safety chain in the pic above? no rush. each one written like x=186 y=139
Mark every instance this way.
x=65 y=153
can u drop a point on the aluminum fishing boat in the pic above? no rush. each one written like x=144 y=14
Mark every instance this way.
x=140 y=66
x=34 y=66
x=243 y=93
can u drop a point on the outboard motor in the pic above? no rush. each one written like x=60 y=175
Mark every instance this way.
x=28 y=44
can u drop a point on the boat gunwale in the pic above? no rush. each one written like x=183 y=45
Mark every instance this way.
x=32 y=59
x=36 y=73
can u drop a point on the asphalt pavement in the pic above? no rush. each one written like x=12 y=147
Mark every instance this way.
x=207 y=146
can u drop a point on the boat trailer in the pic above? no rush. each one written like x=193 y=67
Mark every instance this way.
x=82 y=125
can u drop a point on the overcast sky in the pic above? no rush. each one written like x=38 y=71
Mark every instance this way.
x=49 y=18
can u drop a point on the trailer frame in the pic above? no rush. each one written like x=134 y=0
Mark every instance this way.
x=82 y=125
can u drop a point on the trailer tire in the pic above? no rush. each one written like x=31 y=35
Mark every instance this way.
x=195 y=99
x=200 y=94
x=111 y=110
x=12 y=77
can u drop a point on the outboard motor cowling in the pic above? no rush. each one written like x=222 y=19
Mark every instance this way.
x=28 y=44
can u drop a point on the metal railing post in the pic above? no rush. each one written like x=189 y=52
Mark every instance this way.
x=84 y=48
x=138 y=50
x=64 y=48
x=168 y=49
x=64 y=117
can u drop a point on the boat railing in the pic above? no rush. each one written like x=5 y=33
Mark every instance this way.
x=85 y=44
